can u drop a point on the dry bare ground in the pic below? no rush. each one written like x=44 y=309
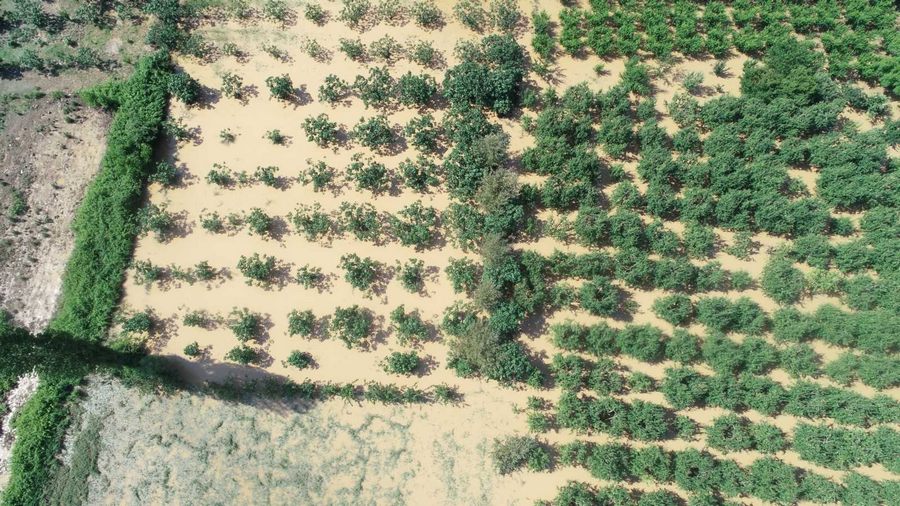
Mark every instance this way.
x=48 y=155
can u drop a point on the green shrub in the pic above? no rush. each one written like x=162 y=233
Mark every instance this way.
x=409 y=326
x=610 y=462
x=415 y=225
x=299 y=359
x=781 y=281
x=280 y=87
x=411 y=274
x=652 y=462
x=244 y=324
x=374 y=133
x=730 y=433
x=352 y=325
x=463 y=274
x=320 y=129
x=311 y=221
x=105 y=224
x=515 y=452
x=301 y=323
x=258 y=221
x=242 y=354
x=192 y=350
x=256 y=268
x=676 y=309
x=361 y=273
x=401 y=363
x=772 y=480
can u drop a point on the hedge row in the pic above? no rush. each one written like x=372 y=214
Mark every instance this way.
x=106 y=224
x=753 y=355
x=685 y=387
x=700 y=473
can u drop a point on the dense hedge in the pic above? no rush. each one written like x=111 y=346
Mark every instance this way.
x=701 y=474
x=106 y=223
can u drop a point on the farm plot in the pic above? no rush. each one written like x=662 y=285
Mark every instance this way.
x=671 y=262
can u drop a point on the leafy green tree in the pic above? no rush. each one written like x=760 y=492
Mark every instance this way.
x=489 y=75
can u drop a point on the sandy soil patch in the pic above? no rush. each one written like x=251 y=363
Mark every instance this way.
x=48 y=155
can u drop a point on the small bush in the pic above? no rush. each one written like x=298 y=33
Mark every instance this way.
x=257 y=268
x=401 y=363
x=320 y=129
x=244 y=324
x=301 y=323
x=299 y=359
x=514 y=452
x=280 y=87
x=242 y=354
x=352 y=325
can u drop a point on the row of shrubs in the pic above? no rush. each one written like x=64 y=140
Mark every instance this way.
x=698 y=472
x=308 y=390
x=724 y=355
x=857 y=36
x=833 y=447
x=684 y=387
